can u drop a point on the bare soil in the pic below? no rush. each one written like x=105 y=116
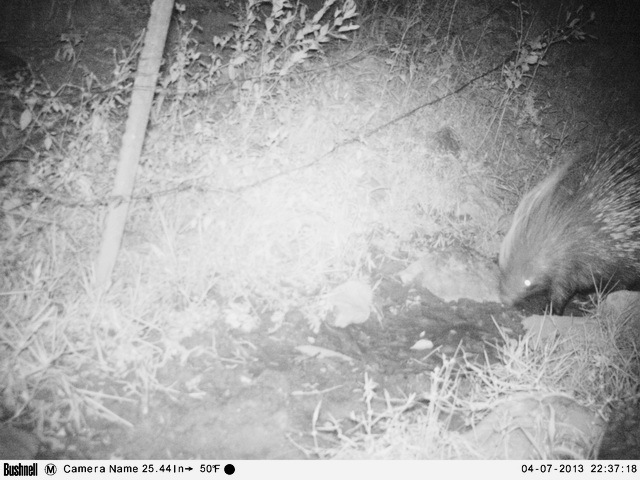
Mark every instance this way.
x=258 y=397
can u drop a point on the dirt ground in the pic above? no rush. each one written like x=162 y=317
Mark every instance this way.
x=260 y=397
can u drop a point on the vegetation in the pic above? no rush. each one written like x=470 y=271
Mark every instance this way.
x=293 y=152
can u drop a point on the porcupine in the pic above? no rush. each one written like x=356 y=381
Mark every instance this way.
x=577 y=231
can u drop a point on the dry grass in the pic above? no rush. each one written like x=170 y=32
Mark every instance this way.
x=593 y=374
x=253 y=201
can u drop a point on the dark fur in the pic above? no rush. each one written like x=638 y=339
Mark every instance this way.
x=577 y=231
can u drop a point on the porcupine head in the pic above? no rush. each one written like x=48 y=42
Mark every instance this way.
x=535 y=254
